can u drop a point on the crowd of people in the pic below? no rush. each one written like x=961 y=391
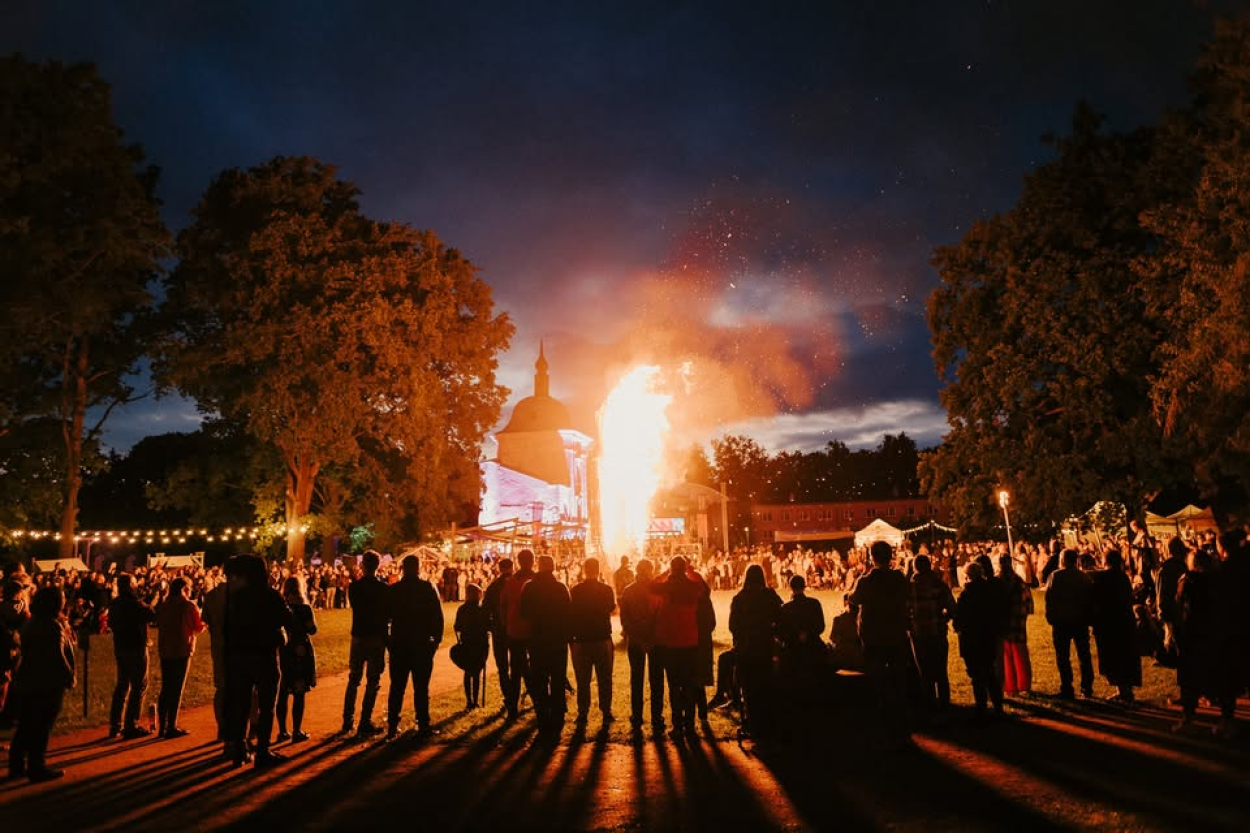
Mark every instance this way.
x=1181 y=603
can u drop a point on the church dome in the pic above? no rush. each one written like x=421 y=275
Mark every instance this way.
x=538 y=413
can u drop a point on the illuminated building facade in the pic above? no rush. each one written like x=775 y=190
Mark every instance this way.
x=540 y=473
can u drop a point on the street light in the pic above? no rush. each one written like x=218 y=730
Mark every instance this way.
x=1003 y=499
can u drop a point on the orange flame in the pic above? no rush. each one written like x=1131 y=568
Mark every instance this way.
x=632 y=430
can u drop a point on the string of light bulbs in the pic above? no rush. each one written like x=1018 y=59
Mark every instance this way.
x=163 y=536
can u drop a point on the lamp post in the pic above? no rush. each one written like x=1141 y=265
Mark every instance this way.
x=1003 y=500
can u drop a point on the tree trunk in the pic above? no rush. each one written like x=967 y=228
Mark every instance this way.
x=301 y=475
x=73 y=414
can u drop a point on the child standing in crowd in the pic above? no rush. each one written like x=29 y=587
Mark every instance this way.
x=299 y=664
x=471 y=628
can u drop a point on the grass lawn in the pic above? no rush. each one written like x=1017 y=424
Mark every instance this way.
x=332 y=643
x=333 y=638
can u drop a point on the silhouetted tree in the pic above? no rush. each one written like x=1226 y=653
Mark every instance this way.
x=341 y=341
x=80 y=240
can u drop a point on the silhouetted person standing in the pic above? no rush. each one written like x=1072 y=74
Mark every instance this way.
x=933 y=607
x=416 y=628
x=257 y=625
x=299 y=662
x=214 y=616
x=44 y=674
x=128 y=619
x=1115 y=628
x=544 y=604
x=367 y=597
x=1069 y=608
x=498 y=631
x=753 y=622
x=883 y=599
x=980 y=619
x=1170 y=572
x=638 y=615
x=177 y=624
x=591 y=603
x=677 y=634
x=473 y=638
x=1016 y=664
x=519 y=630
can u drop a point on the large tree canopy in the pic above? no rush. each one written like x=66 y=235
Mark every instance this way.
x=80 y=240
x=1198 y=281
x=1093 y=339
x=345 y=343
x=1040 y=334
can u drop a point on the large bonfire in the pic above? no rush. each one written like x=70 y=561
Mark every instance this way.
x=632 y=430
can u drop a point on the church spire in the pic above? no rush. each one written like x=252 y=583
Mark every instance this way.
x=541 y=382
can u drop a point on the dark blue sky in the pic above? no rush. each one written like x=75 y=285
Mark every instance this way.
x=757 y=188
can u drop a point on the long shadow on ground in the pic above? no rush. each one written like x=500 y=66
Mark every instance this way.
x=1051 y=766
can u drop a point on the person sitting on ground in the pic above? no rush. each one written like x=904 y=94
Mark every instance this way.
x=845 y=650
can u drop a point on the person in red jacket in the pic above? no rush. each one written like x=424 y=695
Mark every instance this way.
x=677 y=637
x=177 y=624
x=517 y=631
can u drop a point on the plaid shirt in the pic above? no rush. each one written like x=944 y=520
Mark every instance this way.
x=1019 y=606
x=932 y=605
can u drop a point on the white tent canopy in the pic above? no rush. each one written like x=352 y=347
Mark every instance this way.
x=1194 y=518
x=52 y=565
x=879 y=530
x=195 y=559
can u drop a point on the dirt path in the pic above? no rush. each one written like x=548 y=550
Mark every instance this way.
x=1050 y=766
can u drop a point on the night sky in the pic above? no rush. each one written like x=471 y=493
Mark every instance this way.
x=756 y=188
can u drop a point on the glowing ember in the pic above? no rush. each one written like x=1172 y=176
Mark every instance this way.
x=632 y=427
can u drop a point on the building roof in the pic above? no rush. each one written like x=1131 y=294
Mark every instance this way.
x=539 y=412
